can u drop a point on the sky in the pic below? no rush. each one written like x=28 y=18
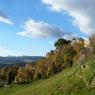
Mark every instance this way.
x=31 y=27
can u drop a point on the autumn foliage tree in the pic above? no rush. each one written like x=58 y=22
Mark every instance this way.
x=40 y=70
x=25 y=74
x=69 y=54
x=7 y=74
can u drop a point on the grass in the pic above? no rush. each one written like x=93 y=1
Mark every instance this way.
x=78 y=80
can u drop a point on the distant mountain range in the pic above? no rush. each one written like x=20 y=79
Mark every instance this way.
x=20 y=60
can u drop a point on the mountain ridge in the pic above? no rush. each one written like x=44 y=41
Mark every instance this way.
x=19 y=60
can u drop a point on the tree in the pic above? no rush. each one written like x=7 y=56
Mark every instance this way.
x=25 y=74
x=4 y=74
x=41 y=70
x=21 y=76
x=12 y=74
x=61 y=42
x=30 y=69
x=78 y=45
x=69 y=54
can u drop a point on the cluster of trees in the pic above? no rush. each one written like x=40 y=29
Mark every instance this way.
x=8 y=74
x=25 y=74
x=65 y=55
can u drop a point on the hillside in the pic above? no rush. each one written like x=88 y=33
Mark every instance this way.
x=78 y=80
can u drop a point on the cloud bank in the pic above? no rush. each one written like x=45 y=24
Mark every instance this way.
x=38 y=29
x=5 y=19
x=81 y=11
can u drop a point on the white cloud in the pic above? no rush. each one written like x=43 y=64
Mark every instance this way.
x=5 y=19
x=81 y=11
x=38 y=29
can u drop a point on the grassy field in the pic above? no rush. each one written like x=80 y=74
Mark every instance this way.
x=78 y=80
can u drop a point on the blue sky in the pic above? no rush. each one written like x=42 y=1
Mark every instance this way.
x=30 y=27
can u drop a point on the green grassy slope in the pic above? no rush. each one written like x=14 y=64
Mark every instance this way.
x=78 y=80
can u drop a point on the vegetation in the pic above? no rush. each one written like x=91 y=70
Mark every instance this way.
x=66 y=53
x=41 y=75
x=78 y=80
x=61 y=42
